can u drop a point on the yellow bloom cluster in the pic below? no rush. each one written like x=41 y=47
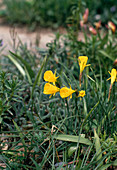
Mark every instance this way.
x=53 y=89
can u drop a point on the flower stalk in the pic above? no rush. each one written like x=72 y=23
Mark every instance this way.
x=113 y=78
x=109 y=92
x=80 y=78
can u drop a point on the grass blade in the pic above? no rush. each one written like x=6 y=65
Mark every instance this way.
x=27 y=66
x=18 y=129
x=106 y=55
x=37 y=80
x=15 y=62
x=72 y=138
x=97 y=146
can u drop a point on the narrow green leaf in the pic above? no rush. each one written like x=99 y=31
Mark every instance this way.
x=36 y=164
x=104 y=167
x=97 y=146
x=90 y=78
x=106 y=55
x=71 y=150
x=15 y=62
x=51 y=101
x=89 y=114
x=85 y=107
x=114 y=163
x=28 y=67
x=37 y=80
x=79 y=164
x=21 y=135
x=72 y=138
x=28 y=76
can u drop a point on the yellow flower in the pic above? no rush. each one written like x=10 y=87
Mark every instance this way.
x=81 y=93
x=82 y=62
x=50 y=77
x=50 y=89
x=113 y=75
x=66 y=92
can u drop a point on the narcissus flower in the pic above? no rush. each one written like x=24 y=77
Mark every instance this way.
x=50 y=77
x=50 y=89
x=113 y=75
x=81 y=93
x=82 y=60
x=112 y=26
x=66 y=92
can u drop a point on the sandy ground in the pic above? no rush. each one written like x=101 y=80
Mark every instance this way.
x=43 y=36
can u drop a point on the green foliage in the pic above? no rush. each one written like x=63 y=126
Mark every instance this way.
x=45 y=13
x=17 y=11
x=38 y=132
x=54 y=13
x=10 y=95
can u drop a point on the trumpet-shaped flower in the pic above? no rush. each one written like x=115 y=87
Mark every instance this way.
x=113 y=75
x=50 y=77
x=50 y=89
x=81 y=93
x=82 y=60
x=66 y=92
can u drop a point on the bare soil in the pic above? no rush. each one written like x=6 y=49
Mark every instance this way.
x=42 y=35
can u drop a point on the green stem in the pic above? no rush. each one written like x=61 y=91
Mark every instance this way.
x=69 y=123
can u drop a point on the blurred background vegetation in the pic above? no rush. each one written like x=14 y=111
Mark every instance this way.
x=51 y=13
